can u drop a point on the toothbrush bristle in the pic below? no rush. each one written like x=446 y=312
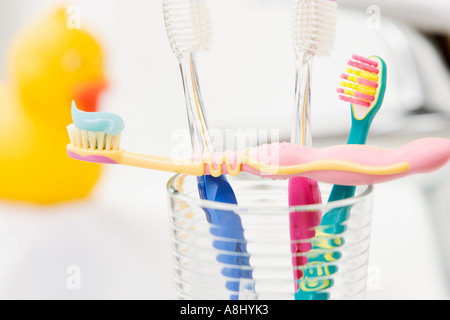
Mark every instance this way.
x=362 y=66
x=98 y=141
x=188 y=25
x=360 y=82
x=354 y=101
x=314 y=26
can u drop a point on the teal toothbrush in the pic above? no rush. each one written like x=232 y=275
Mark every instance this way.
x=364 y=87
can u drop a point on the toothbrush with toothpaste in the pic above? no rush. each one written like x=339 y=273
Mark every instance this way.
x=93 y=139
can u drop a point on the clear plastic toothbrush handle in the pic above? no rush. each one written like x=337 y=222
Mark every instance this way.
x=301 y=135
x=200 y=138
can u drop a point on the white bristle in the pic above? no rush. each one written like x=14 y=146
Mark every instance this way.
x=92 y=140
x=188 y=25
x=314 y=26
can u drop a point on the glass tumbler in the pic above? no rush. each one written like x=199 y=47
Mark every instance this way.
x=209 y=265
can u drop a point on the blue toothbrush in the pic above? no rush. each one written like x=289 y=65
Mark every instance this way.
x=227 y=225
x=364 y=86
x=188 y=27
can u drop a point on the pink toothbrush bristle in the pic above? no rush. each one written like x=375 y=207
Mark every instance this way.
x=360 y=81
x=363 y=66
x=368 y=83
x=365 y=60
x=355 y=101
x=363 y=96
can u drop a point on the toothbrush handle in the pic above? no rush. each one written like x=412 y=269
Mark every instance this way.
x=335 y=218
x=224 y=224
x=227 y=225
x=139 y=160
x=355 y=165
x=301 y=135
x=359 y=131
x=358 y=136
x=302 y=191
x=333 y=221
x=161 y=163
x=199 y=133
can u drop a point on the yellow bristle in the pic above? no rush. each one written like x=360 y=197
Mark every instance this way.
x=364 y=74
x=346 y=84
x=349 y=92
x=353 y=78
x=367 y=90
x=359 y=87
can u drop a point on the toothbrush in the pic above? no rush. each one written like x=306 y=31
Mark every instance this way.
x=93 y=138
x=314 y=25
x=188 y=26
x=363 y=85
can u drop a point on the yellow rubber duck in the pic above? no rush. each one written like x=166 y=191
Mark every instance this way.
x=48 y=66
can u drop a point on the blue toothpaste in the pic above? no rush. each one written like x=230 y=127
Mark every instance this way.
x=107 y=122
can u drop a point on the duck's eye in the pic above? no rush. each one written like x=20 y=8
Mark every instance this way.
x=71 y=60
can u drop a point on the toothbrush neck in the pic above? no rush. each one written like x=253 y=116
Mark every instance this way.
x=301 y=133
x=359 y=132
x=200 y=138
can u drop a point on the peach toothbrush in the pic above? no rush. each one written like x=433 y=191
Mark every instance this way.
x=314 y=25
x=364 y=86
x=189 y=30
x=93 y=138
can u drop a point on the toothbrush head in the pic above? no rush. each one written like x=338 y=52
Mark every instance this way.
x=92 y=140
x=314 y=26
x=99 y=131
x=188 y=25
x=364 y=85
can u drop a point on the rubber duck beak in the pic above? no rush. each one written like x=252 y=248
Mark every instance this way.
x=87 y=95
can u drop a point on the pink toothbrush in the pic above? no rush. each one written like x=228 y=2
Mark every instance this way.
x=314 y=23
x=302 y=191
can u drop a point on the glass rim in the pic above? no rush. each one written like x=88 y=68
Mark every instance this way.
x=173 y=193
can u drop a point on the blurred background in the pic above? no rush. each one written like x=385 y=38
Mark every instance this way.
x=116 y=238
